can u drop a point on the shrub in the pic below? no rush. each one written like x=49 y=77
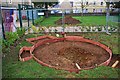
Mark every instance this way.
x=10 y=38
x=20 y=31
x=35 y=30
x=39 y=20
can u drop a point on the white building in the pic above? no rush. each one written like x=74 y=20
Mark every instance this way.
x=88 y=6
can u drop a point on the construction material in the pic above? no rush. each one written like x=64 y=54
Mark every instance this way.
x=115 y=64
x=77 y=66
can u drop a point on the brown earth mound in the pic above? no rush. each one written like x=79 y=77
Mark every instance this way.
x=68 y=20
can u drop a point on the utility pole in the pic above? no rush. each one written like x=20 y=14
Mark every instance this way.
x=107 y=15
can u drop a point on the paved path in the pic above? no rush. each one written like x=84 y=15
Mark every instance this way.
x=24 y=23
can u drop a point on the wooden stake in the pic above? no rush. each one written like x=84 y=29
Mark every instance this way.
x=115 y=64
x=77 y=66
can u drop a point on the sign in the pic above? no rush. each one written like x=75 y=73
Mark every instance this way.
x=41 y=13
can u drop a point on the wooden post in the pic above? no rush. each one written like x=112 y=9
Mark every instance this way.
x=115 y=64
x=77 y=66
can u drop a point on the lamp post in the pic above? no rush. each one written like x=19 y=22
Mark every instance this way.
x=63 y=12
x=107 y=14
x=64 y=6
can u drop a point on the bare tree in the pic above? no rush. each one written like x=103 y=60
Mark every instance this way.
x=84 y=5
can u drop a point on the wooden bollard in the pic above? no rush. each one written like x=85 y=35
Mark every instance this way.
x=115 y=64
x=77 y=66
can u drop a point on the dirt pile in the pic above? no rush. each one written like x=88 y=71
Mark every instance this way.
x=68 y=20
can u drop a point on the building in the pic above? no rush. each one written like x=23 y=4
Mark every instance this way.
x=85 y=6
x=14 y=3
x=88 y=6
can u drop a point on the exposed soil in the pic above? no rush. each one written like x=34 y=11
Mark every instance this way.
x=25 y=54
x=68 y=20
x=66 y=54
x=115 y=57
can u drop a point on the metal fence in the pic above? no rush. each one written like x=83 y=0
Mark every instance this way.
x=26 y=16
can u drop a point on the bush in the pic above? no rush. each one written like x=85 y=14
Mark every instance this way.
x=39 y=20
x=20 y=31
x=35 y=30
x=10 y=38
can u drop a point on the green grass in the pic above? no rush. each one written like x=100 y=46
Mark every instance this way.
x=92 y=20
x=109 y=40
x=13 y=68
x=49 y=21
x=86 y=20
x=32 y=69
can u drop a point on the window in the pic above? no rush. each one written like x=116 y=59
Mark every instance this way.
x=86 y=3
x=71 y=4
x=101 y=3
x=94 y=3
x=86 y=10
x=100 y=10
x=93 y=10
x=10 y=1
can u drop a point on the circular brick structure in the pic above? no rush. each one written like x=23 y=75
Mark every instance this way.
x=72 y=53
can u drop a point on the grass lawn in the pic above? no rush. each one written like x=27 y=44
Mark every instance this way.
x=13 y=68
x=86 y=21
x=92 y=20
